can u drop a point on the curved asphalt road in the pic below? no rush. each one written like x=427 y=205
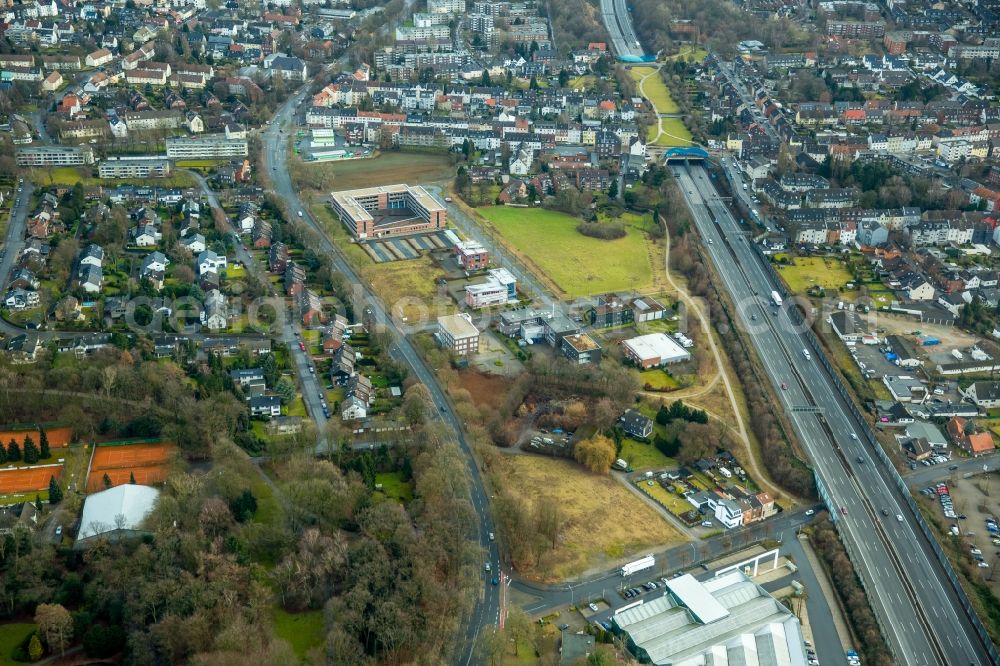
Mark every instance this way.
x=487 y=606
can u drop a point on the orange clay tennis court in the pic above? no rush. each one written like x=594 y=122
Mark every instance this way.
x=58 y=437
x=145 y=476
x=149 y=463
x=24 y=480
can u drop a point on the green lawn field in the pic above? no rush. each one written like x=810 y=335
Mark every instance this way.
x=644 y=456
x=658 y=379
x=815 y=271
x=578 y=264
x=394 y=487
x=12 y=635
x=302 y=630
x=654 y=89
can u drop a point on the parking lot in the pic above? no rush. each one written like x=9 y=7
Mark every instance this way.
x=875 y=364
x=975 y=505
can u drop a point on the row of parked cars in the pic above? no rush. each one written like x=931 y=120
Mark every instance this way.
x=633 y=592
x=936 y=459
x=941 y=490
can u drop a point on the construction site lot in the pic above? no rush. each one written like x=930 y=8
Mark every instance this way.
x=386 y=168
x=405 y=247
x=603 y=523
x=147 y=462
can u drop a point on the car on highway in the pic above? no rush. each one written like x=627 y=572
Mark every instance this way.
x=492 y=537
x=710 y=242
x=885 y=512
x=853 y=436
x=861 y=459
x=811 y=512
x=302 y=346
x=784 y=386
x=486 y=566
x=59 y=530
x=496 y=580
x=953 y=467
x=843 y=510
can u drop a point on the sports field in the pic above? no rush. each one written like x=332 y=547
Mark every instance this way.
x=815 y=271
x=22 y=479
x=149 y=463
x=58 y=437
x=578 y=264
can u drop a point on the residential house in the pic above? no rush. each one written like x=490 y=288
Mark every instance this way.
x=359 y=395
x=210 y=262
x=984 y=394
x=636 y=425
x=91 y=279
x=215 y=315
x=266 y=406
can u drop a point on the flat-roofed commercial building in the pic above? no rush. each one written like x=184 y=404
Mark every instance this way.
x=389 y=209
x=54 y=156
x=499 y=288
x=205 y=147
x=134 y=167
x=655 y=349
x=726 y=619
x=458 y=333
x=580 y=348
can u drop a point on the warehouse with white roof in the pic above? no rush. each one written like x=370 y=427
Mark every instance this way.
x=726 y=619
x=654 y=349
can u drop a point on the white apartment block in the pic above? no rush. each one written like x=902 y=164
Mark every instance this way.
x=446 y=6
x=208 y=146
x=408 y=34
x=134 y=167
x=35 y=156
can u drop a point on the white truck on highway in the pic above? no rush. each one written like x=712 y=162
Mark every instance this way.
x=776 y=299
x=639 y=565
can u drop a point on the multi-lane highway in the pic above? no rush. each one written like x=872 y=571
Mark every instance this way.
x=920 y=614
x=487 y=608
x=624 y=42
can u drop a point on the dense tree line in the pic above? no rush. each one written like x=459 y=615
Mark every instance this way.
x=392 y=581
x=722 y=25
x=884 y=186
x=576 y=23
x=826 y=542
